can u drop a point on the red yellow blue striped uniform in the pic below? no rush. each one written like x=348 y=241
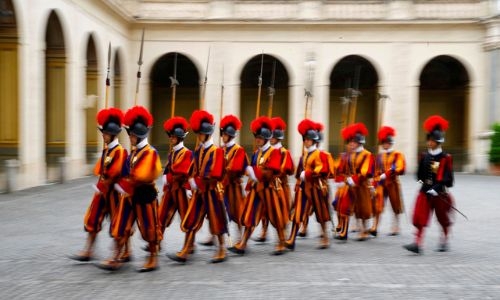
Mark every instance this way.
x=109 y=169
x=174 y=192
x=142 y=168
x=266 y=198
x=207 y=170
x=236 y=163
x=392 y=164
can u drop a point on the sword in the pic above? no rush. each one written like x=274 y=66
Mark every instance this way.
x=447 y=202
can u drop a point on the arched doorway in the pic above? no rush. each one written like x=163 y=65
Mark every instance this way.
x=353 y=72
x=186 y=98
x=9 y=102
x=91 y=77
x=444 y=88
x=55 y=91
x=249 y=84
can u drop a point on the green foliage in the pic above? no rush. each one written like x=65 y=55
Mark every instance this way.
x=495 y=145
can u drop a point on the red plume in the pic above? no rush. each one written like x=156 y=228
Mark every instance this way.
x=230 y=120
x=174 y=122
x=198 y=117
x=384 y=132
x=319 y=127
x=306 y=125
x=138 y=114
x=110 y=114
x=278 y=123
x=435 y=122
x=261 y=122
x=347 y=132
x=360 y=128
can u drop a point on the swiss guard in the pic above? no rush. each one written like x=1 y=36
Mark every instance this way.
x=138 y=201
x=109 y=169
x=175 y=174
x=389 y=165
x=435 y=173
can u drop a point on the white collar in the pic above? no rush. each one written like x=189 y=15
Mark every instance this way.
x=359 y=149
x=208 y=143
x=230 y=143
x=278 y=145
x=387 y=151
x=265 y=146
x=178 y=146
x=142 y=144
x=312 y=148
x=436 y=151
x=113 y=144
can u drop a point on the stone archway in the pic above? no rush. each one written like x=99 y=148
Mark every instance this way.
x=343 y=78
x=55 y=91
x=249 y=81
x=444 y=90
x=9 y=100
x=186 y=98
x=91 y=78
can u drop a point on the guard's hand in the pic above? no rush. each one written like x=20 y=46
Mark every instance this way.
x=96 y=189
x=303 y=175
x=383 y=177
x=432 y=192
x=193 y=185
x=164 y=180
x=350 y=181
x=189 y=194
x=120 y=190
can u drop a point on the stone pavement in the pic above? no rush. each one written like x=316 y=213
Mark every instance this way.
x=41 y=226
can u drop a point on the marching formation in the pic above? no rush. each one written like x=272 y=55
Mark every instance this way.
x=207 y=183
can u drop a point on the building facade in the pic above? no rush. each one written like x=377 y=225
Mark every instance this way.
x=401 y=60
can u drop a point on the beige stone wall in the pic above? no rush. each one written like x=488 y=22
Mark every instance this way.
x=397 y=37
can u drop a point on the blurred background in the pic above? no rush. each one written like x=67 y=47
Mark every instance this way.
x=400 y=61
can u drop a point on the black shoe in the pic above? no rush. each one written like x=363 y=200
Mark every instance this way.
x=236 y=250
x=341 y=238
x=145 y=248
x=110 y=266
x=143 y=269
x=395 y=233
x=373 y=232
x=278 y=252
x=176 y=258
x=260 y=239
x=443 y=247
x=207 y=243
x=126 y=259
x=413 y=248
x=217 y=260
x=290 y=246
x=302 y=234
x=80 y=258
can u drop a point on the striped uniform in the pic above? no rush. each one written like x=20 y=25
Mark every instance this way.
x=392 y=164
x=174 y=192
x=207 y=169
x=266 y=198
x=108 y=168
x=140 y=171
x=236 y=163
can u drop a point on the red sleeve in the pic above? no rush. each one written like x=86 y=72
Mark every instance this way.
x=237 y=163
x=274 y=161
x=288 y=166
x=182 y=164
x=218 y=164
x=324 y=160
